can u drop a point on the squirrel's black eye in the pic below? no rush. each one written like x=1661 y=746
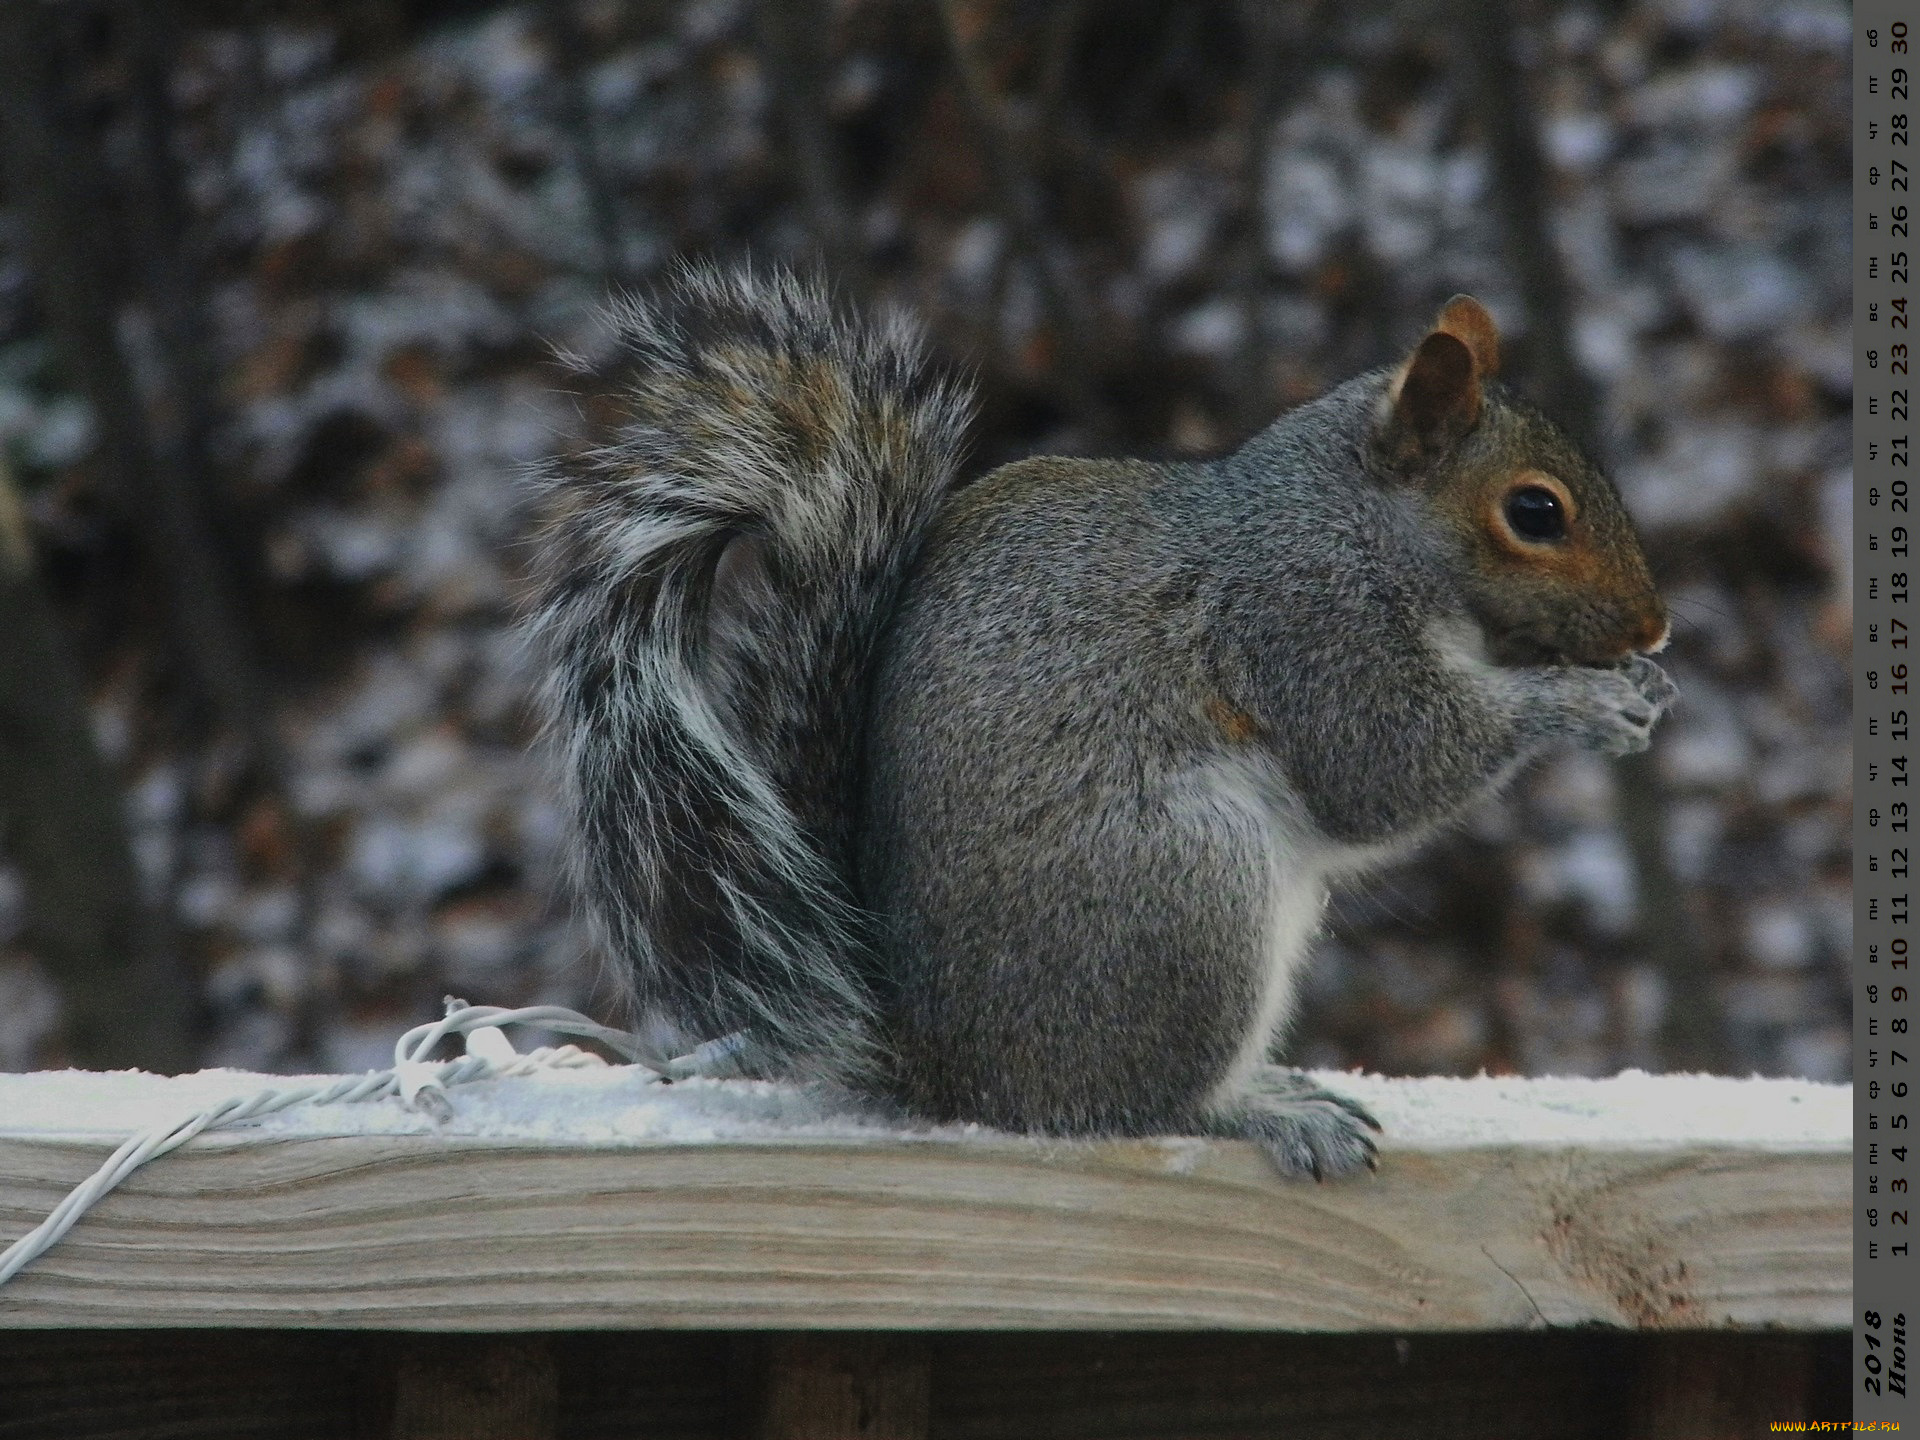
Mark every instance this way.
x=1535 y=513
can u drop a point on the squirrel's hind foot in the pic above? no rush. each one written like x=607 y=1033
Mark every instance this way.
x=1304 y=1128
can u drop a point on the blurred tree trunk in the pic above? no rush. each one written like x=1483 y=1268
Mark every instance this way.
x=583 y=137
x=182 y=366
x=156 y=488
x=1693 y=1034
x=153 y=451
x=1072 y=314
x=1284 y=39
x=62 y=823
x=796 y=52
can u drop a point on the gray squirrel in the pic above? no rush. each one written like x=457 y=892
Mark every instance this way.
x=1018 y=802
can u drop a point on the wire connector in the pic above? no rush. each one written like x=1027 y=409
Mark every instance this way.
x=420 y=1089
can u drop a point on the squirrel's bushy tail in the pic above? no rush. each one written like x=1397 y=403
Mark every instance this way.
x=710 y=586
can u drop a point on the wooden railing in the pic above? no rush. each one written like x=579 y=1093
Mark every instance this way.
x=847 y=1257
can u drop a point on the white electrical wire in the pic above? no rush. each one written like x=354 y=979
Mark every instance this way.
x=418 y=1081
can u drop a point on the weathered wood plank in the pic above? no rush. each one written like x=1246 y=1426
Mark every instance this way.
x=475 y=1388
x=1686 y=1390
x=316 y=1385
x=1542 y=1386
x=137 y=1385
x=837 y=1386
x=465 y=1231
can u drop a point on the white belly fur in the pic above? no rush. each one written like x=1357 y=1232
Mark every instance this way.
x=1295 y=903
x=1295 y=907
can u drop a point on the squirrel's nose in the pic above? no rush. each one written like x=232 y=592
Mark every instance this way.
x=1654 y=632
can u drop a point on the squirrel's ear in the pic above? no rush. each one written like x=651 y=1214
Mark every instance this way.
x=1435 y=398
x=1433 y=401
x=1467 y=320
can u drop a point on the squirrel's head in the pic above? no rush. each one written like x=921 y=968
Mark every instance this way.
x=1552 y=567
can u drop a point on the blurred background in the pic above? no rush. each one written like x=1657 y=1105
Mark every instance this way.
x=279 y=287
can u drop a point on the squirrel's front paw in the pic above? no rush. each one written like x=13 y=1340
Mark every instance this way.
x=1303 y=1128
x=1655 y=685
x=1613 y=711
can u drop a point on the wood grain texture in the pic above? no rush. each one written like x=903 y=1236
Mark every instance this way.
x=461 y=1233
